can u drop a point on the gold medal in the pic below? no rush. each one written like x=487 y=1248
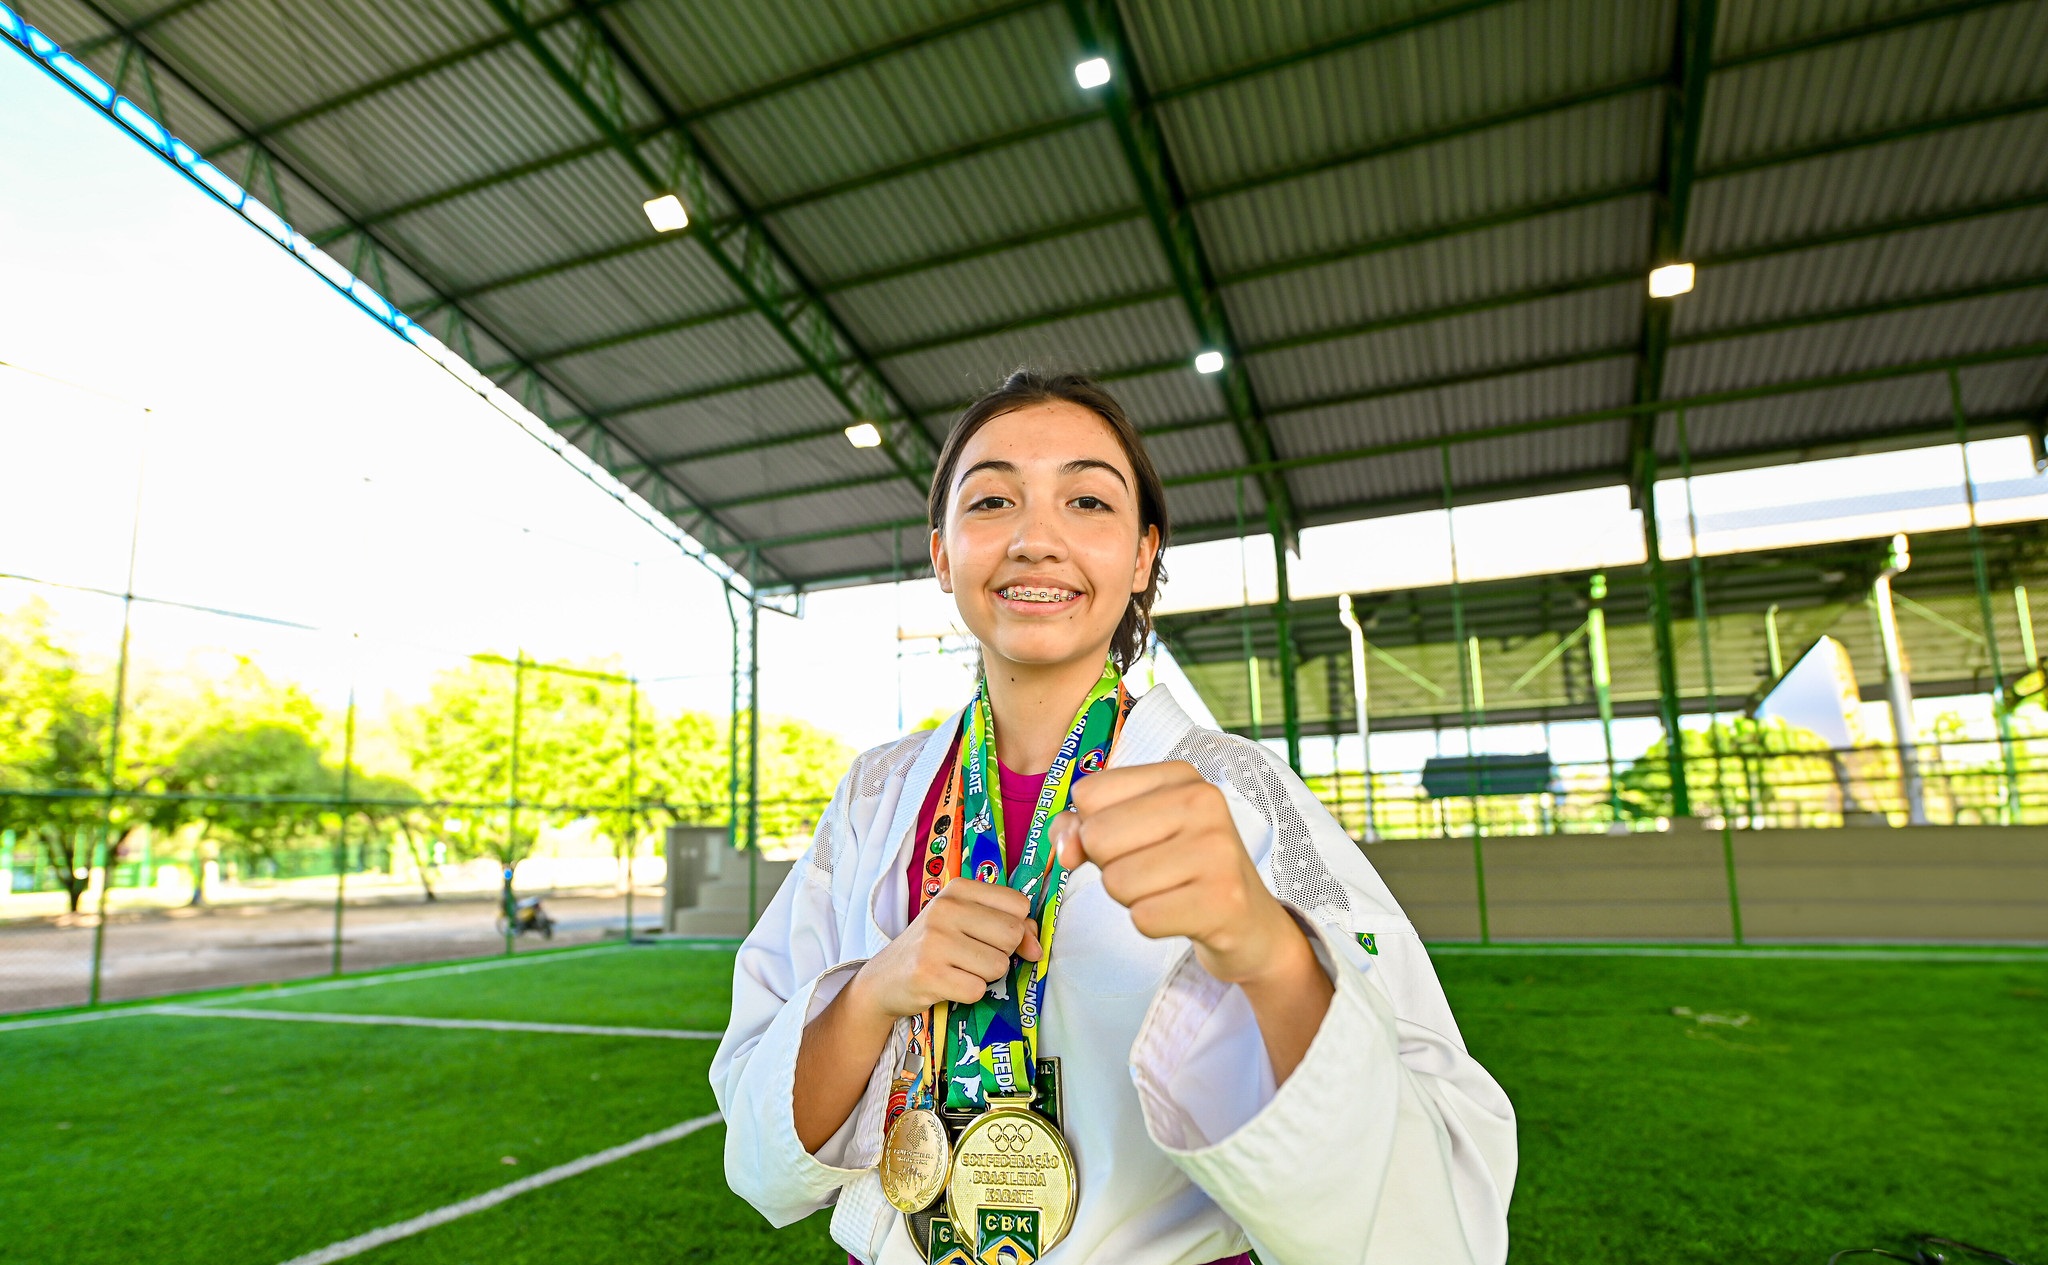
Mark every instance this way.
x=1012 y=1191
x=915 y=1159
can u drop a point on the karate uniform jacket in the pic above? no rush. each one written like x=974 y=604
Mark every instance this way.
x=1389 y=1143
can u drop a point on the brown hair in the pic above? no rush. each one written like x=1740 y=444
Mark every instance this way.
x=1026 y=387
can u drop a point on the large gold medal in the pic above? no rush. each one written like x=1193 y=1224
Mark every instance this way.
x=915 y=1159
x=1012 y=1191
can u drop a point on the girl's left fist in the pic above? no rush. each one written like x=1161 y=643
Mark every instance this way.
x=1170 y=854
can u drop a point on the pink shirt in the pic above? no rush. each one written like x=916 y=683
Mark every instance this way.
x=1020 y=799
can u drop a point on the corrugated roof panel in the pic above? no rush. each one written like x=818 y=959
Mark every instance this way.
x=1193 y=506
x=1438 y=412
x=304 y=209
x=1590 y=455
x=703 y=355
x=1598 y=320
x=68 y=22
x=1845 y=346
x=872 y=554
x=982 y=200
x=715 y=480
x=1878 y=269
x=1147 y=334
x=1928 y=70
x=1183 y=40
x=1178 y=394
x=788 y=407
x=616 y=296
x=282 y=59
x=1566 y=246
x=825 y=511
x=1814 y=418
x=1438 y=76
x=1047 y=277
x=195 y=122
x=468 y=121
x=1608 y=145
x=1956 y=167
x=935 y=97
x=1195 y=451
x=1391 y=480
x=528 y=223
x=2000 y=390
x=1743 y=26
x=708 y=52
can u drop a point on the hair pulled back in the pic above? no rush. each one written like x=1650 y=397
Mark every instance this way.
x=1025 y=388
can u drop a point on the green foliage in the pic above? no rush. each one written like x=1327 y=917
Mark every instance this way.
x=55 y=718
x=1739 y=764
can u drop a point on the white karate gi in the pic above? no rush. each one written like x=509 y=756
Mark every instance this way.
x=1389 y=1143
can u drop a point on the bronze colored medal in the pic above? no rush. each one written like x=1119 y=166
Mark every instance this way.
x=1013 y=1188
x=915 y=1159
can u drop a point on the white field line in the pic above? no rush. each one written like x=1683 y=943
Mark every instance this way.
x=1709 y=951
x=417 y=1021
x=323 y=986
x=492 y=1198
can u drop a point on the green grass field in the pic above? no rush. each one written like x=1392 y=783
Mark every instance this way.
x=1858 y=1101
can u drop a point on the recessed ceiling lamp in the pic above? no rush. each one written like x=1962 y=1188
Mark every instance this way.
x=864 y=435
x=1092 y=73
x=1670 y=281
x=666 y=213
x=1209 y=362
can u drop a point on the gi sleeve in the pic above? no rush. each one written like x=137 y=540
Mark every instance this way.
x=789 y=970
x=1389 y=1143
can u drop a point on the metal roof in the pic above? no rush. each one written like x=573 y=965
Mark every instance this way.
x=1407 y=222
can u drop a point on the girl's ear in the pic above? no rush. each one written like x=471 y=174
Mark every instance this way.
x=1148 y=553
x=942 y=566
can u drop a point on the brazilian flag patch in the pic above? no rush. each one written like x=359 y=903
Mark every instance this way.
x=1007 y=1236
x=1366 y=942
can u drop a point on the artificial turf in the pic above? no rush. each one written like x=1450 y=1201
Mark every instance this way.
x=1856 y=1102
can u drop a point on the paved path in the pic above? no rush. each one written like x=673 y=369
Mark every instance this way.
x=149 y=955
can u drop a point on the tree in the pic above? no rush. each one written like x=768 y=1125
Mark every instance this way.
x=1739 y=766
x=55 y=721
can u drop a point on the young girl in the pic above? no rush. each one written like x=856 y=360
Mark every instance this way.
x=1070 y=977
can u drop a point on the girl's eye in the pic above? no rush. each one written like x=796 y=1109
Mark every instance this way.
x=988 y=503
x=1091 y=503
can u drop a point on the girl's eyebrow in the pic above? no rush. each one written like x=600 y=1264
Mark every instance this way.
x=1075 y=466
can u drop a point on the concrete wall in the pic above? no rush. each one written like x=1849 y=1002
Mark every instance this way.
x=1931 y=883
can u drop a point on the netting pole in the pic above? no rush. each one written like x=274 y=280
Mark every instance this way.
x=1468 y=666
x=348 y=760
x=106 y=849
x=632 y=791
x=732 y=734
x=1660 y=622
x=1699 y=616
x=1283 y=627
x=2006 y=740
x=511 y=901
x=1244 y=624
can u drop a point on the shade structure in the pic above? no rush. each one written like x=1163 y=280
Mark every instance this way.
x=1418 y=233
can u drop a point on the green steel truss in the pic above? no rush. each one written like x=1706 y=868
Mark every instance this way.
x=742 y=248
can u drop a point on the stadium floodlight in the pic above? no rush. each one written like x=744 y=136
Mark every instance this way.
x=864 y=435
x=1092 y=73
x=666 y=213
x=1670 y=281
x=1209 y=362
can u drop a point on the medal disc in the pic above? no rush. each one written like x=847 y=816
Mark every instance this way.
x=1013 y=1180
x=914 y=1160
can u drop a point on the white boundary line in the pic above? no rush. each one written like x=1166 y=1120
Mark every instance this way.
x=492 y=1198
x=1710 y=951
x=324 y=986
x=417 y=1021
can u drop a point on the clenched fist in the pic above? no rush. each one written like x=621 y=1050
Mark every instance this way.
x=960 y=943
x=1170 y=853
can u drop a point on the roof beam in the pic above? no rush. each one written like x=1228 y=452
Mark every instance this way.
x=744 y=251
x=667 y=495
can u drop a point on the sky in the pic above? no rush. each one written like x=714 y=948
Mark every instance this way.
x=299 y=484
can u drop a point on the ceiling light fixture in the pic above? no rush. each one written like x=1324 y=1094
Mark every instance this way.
x=1209 y=362
x=1670 y=281
x=1092 y=73
x=666 y=213
x=864 y=435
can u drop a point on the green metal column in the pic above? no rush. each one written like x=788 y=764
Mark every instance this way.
x=2025 y=612
x=1771 y=646
x=632 y=791
x=1467 y=664
x=348 y=760
x=753 y=756
x=1699 y=616
x=2006 y=739
x=509 y=899
x=1603 y=685
x=1244 y=624
x=732 y=733
x=1283 y=624
x=1660 y=624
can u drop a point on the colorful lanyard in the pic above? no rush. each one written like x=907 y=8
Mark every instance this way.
x=993 y=1042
